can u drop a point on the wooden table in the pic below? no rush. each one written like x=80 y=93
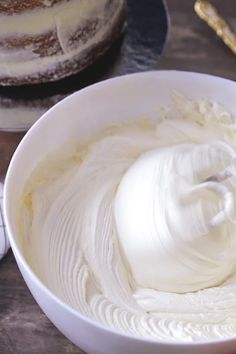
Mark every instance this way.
x=191 y=46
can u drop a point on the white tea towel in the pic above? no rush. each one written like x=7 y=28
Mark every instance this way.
x=4 y=242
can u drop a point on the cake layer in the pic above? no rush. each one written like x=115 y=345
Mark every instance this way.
x=50 y=43
x=10 y=7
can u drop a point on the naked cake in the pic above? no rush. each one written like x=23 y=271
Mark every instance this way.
x=47 y=40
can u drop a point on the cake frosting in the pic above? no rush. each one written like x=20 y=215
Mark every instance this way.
x=135 y=228
x=48 y=40
x=172 y=223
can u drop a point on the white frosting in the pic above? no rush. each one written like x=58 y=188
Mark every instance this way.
x=71 y=210
x=40 y=21
x=171 y=223
x=64 y=18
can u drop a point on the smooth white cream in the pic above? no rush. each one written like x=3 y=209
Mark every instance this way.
x=174 y=226
x=121 y=228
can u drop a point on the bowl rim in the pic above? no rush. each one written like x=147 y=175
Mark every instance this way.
x=19 y=256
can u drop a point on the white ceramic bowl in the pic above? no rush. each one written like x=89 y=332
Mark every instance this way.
x=78 y=116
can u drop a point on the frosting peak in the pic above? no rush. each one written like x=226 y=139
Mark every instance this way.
x=172 y=211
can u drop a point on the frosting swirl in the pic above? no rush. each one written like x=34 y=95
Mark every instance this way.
x=171 y=222
x=178 y=282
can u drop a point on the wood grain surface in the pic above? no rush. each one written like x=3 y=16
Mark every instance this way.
x=191 y=46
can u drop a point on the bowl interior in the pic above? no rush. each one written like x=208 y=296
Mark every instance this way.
x=94 y=108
